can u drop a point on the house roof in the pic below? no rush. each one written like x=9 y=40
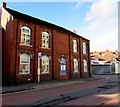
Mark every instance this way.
x=22 y=16
x=103 y=55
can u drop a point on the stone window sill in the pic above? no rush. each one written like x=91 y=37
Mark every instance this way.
x=45 y=73
x=25 y=45
x=76 y=72
x=45 y=48
x=24 y=74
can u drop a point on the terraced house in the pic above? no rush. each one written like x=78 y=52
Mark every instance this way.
x=34 y=50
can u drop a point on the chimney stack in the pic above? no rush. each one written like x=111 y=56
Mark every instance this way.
x=74 y=31
x=3 y=4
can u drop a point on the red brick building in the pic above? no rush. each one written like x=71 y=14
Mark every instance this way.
x=34 y=50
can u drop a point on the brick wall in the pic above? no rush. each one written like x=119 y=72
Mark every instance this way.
x=75 y=55
x=48 y=52
x=61 y=49
x=61 y=45
x=7 y=24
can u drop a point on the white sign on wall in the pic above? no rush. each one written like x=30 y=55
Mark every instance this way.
x=39 y=55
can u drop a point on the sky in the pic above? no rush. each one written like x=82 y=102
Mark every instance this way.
x=94 y=20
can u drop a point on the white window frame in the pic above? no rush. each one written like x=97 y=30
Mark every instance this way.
x=85 y=65
x=24 y=60
x=76 y=69
x=75 y=46
x=84 y=48
x=25 y=37
x=45 y=40
x=47 y=60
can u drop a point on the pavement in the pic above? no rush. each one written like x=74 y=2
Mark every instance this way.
x=50 y=84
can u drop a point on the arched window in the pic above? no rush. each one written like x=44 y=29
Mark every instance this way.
x=85 y=66
x=45 y=64
x=75 y=65
x=75 y=46
x=84 y=48
x=45 y=40
x=24 y=63
x=25 y=35
x=62 y=66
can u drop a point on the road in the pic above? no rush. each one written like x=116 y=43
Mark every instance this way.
x=99 y=92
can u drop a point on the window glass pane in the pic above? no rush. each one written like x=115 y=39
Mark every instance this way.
x=75 y=46
x=75 y=65
x=25 y=31
x=24 y=68
x=27 y=41
x=62 y=64
x=28 y=36
x=44 y=68
x=84 y=48
x=22 y=40
x=85 y=66
x=45 y=40
x=63 y=67
x=25 y=36
x=24 y=63
x=45 y=64
x=46 y=46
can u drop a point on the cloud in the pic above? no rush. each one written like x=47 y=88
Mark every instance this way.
x=101 y=9
x=78 y=5
x=102 y=29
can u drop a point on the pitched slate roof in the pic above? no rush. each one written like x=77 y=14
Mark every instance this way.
x=22 y=16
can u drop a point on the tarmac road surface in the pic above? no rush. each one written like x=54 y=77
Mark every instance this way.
x=99 y=92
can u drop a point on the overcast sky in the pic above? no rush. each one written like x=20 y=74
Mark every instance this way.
x=96 y=21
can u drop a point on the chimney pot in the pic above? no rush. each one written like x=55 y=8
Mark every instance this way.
x=3 y=4
x=74 y=31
